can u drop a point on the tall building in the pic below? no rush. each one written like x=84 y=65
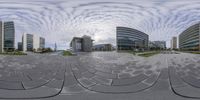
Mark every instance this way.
x=87 y=43
x=32 y=42
x=27 y=41
x=42 y=42
x=36 y=42
x=1 y=37
x=131 y=39
x=174 y=43
x=20 y=47
x=7 y=36
x=190 y=38
x=83 y=43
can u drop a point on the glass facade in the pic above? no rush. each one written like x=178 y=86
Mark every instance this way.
x=9 y=36
x=189 y=39
x=131 y=39
x=1 y=37
x=29 y=42
x=42 y=42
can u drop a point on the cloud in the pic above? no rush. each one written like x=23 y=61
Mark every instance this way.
x=60 y=21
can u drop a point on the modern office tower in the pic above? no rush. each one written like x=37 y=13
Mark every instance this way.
x=83 y=43
x=20 y=47
x=174 y=43
x=1 y=37
x=103 y=47
x=87 y=43
x=36 y=42
x=157 y=45
x=190 y=38
x=9 y=36
x=42 y=42
x=32 y=42
x=27 y=41
x=131 y=39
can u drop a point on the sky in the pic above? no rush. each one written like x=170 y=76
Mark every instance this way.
x=60 y=21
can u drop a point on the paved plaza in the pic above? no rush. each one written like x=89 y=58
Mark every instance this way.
x=100 y=76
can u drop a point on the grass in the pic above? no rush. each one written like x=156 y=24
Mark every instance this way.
x=148 y=54
x=13 y=53
x=195 y=52
x=67 y=53
x=192 y=52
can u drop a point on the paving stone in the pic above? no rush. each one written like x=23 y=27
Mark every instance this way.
x=119 y=89
x=151 y=79
x=190 y=65
x=103 y=69
x=187 y=91
x=34 y=84
x=55 y=84
x=138 y=72
x=86 y=83
x=88 y=75
x=164 y=74
x=147 y=67
x=128 y=70
x=107 y=75
x=181 y=73
x=128 y=81
x=192 y=81
x=148 y=72
x=70 y=80
x=101 y=80
x=74 y=88
x=175 y=79
x=33 y=93
x=124 y=75
x=10 y=85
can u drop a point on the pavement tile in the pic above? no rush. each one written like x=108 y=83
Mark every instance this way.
x=106 y=75
x=128 y=81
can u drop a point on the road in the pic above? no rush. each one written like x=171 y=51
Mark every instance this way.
x=100 y=76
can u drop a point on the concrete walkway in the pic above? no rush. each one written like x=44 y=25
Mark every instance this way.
x=100 y=76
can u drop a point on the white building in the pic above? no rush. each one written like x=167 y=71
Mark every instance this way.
x=32 y=42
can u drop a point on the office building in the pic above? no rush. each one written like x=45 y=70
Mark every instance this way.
x=7 y=36
x=174 y=43
x=81 y=44
x=20 y=47
x=42 y=42
x=131 y=39
x=27 y=42
x=1 y=37
x=103 y=47
x=32 y=42
x=190 y=38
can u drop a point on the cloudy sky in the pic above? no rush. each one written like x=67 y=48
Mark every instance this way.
x=59 y=21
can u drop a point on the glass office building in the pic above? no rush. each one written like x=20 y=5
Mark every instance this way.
x=42 y=42
x=1 y=37
x=29 y=42
x=190 y=38
x=131 y=39
x=9 y=36
x=32 y=42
